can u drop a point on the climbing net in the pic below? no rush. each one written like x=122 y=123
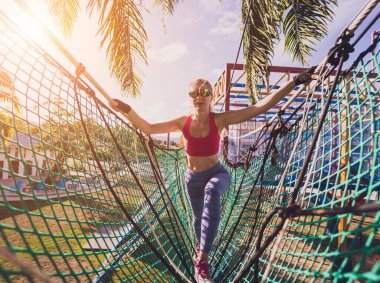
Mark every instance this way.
x=86 y=197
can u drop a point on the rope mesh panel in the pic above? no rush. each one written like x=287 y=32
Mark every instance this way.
x=74 y=208
x=57 y=212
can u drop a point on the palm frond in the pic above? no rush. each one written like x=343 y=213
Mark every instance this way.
x=122 y=30
x=7 y=91
x=167 y=6
x=6 y=128
x=65 y=14
x=6 y=82
x=304 y=24
x=262 y=31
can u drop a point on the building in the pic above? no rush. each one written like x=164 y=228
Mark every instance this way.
x=21 y=156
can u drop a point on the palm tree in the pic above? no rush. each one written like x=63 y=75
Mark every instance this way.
x=121 y=29
x=7 y=95
x=7 y=91
x=302 y=22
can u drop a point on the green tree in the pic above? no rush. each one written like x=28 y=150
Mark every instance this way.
x=62 y=134
x=303 y=22
x=127 y=140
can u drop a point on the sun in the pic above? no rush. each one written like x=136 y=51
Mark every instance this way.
x=30 y=24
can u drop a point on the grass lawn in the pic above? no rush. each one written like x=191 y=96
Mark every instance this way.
x=51 y=236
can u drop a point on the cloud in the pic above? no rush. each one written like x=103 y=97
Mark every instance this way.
x=152 y=112
x=211 y=6
x=169 y=53
x=191 y=20
x=217 y=72
x=210 y=45
x=229 y=23
x=228 y=14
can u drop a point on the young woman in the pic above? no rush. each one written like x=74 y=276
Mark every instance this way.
x=206 y=178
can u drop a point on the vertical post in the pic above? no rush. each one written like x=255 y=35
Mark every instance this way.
x=373 y=35
x=139 y=175
x=149 y=150
x=238 y=144
x=335 y=135
x=344 y=159
x=267 y=80
x=168 y=141
x=227 y=101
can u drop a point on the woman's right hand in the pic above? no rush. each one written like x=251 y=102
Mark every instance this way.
x=119 y=106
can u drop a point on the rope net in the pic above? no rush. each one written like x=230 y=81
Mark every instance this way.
x=86 y=197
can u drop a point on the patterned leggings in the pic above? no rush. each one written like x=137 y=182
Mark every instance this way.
x=204 y=191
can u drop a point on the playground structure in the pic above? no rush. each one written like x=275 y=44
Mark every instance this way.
x=300 y=207
x=234 y=95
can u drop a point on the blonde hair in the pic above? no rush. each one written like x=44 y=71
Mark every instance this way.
x=198 y=83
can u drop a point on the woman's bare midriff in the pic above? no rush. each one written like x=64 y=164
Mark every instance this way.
x=201 y=163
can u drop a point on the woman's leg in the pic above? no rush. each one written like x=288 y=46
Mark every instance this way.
x=214 y=190
x=195 y=194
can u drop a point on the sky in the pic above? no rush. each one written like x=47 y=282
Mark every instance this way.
x=200 y=38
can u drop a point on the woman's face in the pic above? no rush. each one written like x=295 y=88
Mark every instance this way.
x=201 y=97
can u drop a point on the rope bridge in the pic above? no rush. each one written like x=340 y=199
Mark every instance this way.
x=85 y=197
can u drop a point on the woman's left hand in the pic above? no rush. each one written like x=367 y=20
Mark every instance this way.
x=306 y=77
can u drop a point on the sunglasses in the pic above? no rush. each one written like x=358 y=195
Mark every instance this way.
x=203 y=92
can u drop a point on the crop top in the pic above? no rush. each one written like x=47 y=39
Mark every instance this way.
x=204 y=146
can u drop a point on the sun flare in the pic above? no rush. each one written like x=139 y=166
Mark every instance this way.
x=30 y=28
x=28 y=21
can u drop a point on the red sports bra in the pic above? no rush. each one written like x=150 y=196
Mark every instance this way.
x=205 y=146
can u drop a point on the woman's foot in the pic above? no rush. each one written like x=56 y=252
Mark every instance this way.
x=202 y=272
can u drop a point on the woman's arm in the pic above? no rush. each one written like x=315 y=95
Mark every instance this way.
x=146 y=127
x=239 y=116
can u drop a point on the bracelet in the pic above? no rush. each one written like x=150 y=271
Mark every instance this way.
x=305 y=76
